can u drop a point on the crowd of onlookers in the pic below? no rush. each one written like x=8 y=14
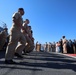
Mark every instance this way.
x=68 y=47
x=63 y=46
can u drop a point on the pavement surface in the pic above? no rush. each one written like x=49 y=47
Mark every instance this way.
x=39 y=63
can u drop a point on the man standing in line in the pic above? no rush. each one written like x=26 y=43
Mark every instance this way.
x=64 y=41
x=15 y=37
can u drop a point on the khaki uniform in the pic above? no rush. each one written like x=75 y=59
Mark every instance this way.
x=15 y=37
x=64 y=46
x=49 y=47
x=30 y=46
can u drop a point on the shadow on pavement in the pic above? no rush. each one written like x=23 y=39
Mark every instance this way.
x=55 y=62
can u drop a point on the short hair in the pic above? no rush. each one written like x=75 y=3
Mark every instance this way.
x=27 y=19
x=20 y=9
x=63 y=36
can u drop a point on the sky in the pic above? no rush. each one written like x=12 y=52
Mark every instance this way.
x=50 y=19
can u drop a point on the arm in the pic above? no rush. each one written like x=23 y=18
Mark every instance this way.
x=24 y=28
x=17 y=19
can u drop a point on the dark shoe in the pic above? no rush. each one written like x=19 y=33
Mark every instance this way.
x=29 y=51
x=9 y=62
x=19 y=56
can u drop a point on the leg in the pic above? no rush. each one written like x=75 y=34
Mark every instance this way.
x=30 y=45
x=21 y=46
x=11 y=48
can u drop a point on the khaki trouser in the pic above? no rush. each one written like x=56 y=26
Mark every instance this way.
x=30 y=46
x=38 y=47
x=12 y=47
x=64 y=48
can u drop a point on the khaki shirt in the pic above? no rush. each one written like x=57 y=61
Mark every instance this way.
x=64 y=41
x=25 y=26
x=16 y=15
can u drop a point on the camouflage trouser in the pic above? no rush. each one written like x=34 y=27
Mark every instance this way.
x=2 y=42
